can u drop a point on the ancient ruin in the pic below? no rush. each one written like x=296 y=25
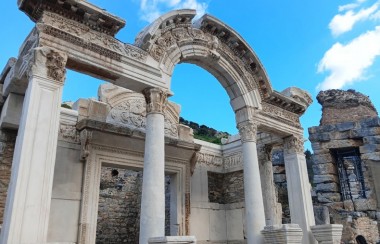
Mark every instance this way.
x=121 y=169
x=345 y=164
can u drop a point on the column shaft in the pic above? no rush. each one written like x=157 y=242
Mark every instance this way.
x=300 y=203
x=152 y=217
x=29 y=193
x=254 y=206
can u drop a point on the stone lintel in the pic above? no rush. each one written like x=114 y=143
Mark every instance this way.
x=79 y=10
x=11 y=112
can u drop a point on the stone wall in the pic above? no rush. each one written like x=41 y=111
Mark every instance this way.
x=7 y=144
x=225 y=188
x=279 y=177
x=119 y=206
x=346 y=145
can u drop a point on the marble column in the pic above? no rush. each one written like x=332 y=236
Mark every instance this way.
x=272 y=213
x=29 y=193
x=300 y=203
x=152 y=217
x=254 y=207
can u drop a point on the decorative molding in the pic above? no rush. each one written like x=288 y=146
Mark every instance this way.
x=156 y=100
x=85 y=37
x=281 y=114
x=56 y=65
x=68 y=133
x=209 y=159
x=294 y=144
x=85 y=139
x=248 y=131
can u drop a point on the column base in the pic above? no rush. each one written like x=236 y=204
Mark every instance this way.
x=282 y=234
x=172 y=240
x=327 y=234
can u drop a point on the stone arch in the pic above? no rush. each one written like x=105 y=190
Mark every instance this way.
x=212 y=45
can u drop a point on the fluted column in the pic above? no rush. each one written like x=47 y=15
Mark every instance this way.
x=300 y=203
x=152 y=217
x=29 y=193
x=254 y=207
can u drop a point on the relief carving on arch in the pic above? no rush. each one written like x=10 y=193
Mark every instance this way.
x=130 y=109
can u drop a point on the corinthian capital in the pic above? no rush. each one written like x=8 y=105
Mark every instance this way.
x=156 y=100
x=294 y=144
x=49 y=63
x=247 y=131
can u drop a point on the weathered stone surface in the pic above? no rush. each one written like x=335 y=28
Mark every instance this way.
x=370 y=122
x=371 y=140
x=325 y=179
x=279 y=178
x=226 y=188
x=363 y=132
x=328 y=197
x=375 y=156
x=327 y=187
x=322 y=215
x=345 y=126
x=322 y=158
x=278 y=169
x=342 y=106
x=323 y=169
x=365 y=204
x=369 y=148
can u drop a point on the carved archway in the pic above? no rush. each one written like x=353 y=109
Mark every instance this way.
x=212 y=45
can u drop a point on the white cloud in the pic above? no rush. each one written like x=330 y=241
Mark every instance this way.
x=152 y=9
x=348 y=7
x=348 y=63
x=342 y=23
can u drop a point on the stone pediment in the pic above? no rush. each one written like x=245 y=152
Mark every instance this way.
x=128 y=108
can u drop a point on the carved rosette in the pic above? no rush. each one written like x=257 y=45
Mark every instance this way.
x=248 y=131
x=49 y=63
x=294 y=144
x=156 y=100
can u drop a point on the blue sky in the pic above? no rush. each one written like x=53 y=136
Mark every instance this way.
x=315 y=44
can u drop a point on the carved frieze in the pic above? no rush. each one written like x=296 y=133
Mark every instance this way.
x=248 y=131
x=68 y=133
x=83 y=36
x=294 y=144
x=209 y=159
x=233 y=161
x=281 y=114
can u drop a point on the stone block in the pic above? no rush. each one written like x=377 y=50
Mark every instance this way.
x=320 y=137
x=327 y=234
x=365 y=204
x=185 y=133
x=371 y=140
x=348 y=205
x=325 y=179
x=328 y=197
x=172 y=240
x=322 y=158
x=343 y=143
x=335 y=205
x=327 y=187
x=369 y=148
x=345 y=126
x=11 y=112
x=282 y=234
x=370 y=122
x=278 y=169
x=322 y=215
x=363 y=132
x=324 y=169
x=374 y=156
x=234 y=222
x=218 y=225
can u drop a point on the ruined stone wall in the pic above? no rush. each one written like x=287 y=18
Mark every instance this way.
x=343 y=106
x=7 y=145
x=349 y=124
x=225 y=188
x=119 y=206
